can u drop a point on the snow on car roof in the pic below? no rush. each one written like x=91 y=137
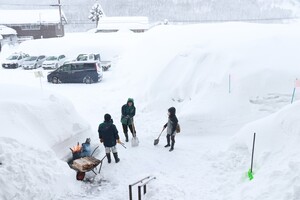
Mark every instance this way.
x=109 y=23
x=4 y=30
x=30 y=16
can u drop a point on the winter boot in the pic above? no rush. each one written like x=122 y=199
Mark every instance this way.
x=168 y=141
x=172 y=147
x=108 y=157
x=126 y=137
x=117 y=159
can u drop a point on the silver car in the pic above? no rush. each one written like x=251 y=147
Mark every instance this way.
x=33 y=62
x=53 y=62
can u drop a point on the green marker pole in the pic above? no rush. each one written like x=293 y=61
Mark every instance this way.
x=250 y=172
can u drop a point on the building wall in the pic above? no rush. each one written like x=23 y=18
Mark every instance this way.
x=38 y=31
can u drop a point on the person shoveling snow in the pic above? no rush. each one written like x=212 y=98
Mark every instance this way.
x=128 y=112
x=171 y=126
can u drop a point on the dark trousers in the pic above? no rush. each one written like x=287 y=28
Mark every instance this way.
x=169 y=137
x=125 y=129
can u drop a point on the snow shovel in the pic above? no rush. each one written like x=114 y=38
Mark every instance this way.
x=134 y=141
x=156 y=141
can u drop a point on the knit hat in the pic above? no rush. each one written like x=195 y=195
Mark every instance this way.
x=107 y=117
x=172 y=110
x=130 y=100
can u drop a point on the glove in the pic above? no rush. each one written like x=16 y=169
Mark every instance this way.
x=101 y=140
x=119 y=141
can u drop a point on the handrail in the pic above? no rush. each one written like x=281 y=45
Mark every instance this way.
x=144 y=185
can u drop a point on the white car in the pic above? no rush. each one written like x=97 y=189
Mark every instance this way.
x=88 y=57
x=14 y=61
x=33 y=62
x=54 y=62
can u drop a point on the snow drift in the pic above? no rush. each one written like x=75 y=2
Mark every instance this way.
x=277 y=162
x=32 y=123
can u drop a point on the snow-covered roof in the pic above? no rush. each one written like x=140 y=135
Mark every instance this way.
x=4 y=30
x=117 y=23
x=44 y=16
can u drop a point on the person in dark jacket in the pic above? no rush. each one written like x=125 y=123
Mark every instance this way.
x=128 y=112
x=171 y=127
x=108 y=135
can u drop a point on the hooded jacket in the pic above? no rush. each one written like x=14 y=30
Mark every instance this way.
x=128 y=112
x=172 y=122
x=108 y=133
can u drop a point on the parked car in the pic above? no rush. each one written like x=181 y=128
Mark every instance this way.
x=14 y=61
x=77 y=72
x=33 y=62
x=94 y=57
x=89 y=57
x=53 y=62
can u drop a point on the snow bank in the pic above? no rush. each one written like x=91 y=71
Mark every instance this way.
x=189 y=67
x=32 y=123
x=277 y=162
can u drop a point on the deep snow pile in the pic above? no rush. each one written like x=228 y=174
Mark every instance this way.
x=277 y=161
x=32 y=123
x=188 y=67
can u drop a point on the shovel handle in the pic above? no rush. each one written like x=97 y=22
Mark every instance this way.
x=161 y=132
x=123 y=145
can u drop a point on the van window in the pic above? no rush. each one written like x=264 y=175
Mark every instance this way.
x=89 y=66
x=65 y=68
x=78 y=67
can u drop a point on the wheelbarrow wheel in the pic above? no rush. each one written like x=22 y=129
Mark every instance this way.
x=80 y=176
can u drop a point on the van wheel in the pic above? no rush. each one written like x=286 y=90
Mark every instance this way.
x=87 y=80
x=55 y=80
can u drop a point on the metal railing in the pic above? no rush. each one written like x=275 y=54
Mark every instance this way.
x=142 y=185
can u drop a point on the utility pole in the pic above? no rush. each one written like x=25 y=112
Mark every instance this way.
x=59 y=8
x=60 y=17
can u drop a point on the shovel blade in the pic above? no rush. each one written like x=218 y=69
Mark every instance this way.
x=135 y=142
x=156 y=141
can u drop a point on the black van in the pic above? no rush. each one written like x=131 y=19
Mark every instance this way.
x=77 y=72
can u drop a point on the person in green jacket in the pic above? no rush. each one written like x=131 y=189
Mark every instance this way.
x=128 y=112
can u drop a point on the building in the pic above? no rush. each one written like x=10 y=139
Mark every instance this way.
x=7 y=36
x=114 y=24
x=34 y=23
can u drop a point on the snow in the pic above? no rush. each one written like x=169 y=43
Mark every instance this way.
x=4 y=30
x=186 y=66
x=30 y=16
x=119 y=23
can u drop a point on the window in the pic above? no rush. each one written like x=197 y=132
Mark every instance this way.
x=66 y=68
x=61 y=57
x=31 y=27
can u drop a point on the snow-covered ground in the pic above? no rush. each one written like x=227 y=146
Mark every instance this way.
x=183 y=66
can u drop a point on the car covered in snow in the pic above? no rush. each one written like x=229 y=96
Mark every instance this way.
x=88 y=57
x=53 y=62
x=77 y=72
x=14 y=61
x=94 y=57
x=33 y=62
